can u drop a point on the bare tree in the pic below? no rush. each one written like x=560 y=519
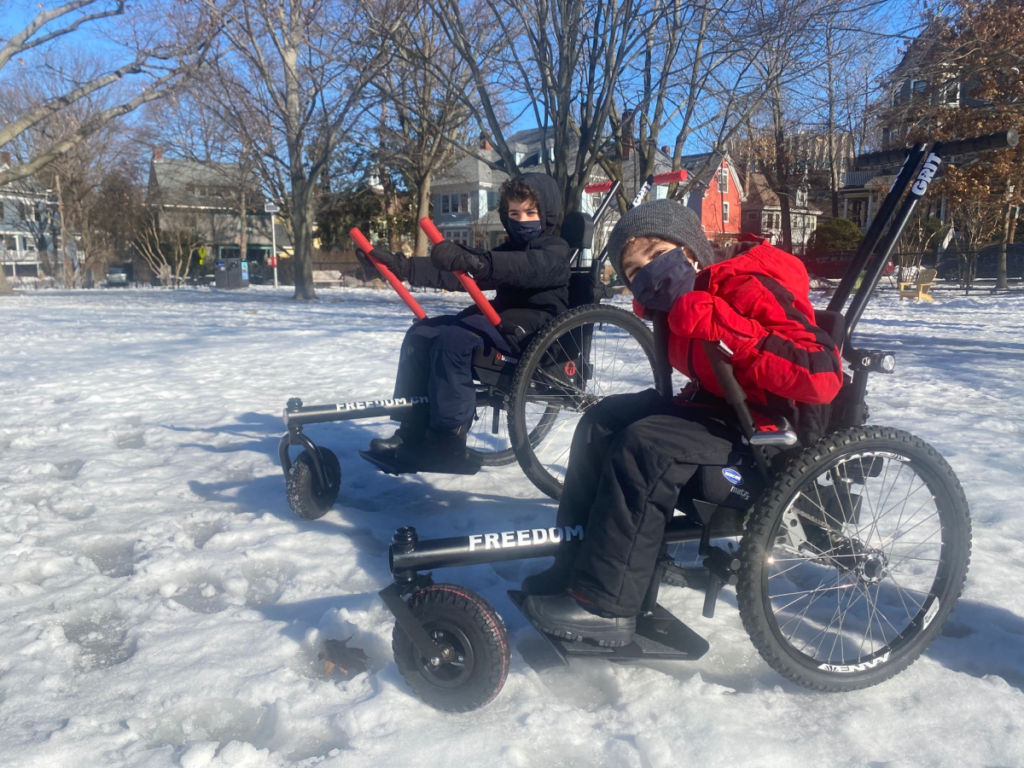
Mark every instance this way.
x=167 y=250
x=77 y=176
x=428 y=116
x=564 y=59
x=292 y=79
x=696 y=79
x=157 y=50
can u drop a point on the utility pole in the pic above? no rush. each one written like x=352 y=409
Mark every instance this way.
x=273 y=209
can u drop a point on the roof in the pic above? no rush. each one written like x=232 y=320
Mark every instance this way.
x=858 y=178
x=189 y=183
x=761 y=195
x=472 y=171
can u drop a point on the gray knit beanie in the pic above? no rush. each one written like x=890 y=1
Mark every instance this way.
x=668 y=219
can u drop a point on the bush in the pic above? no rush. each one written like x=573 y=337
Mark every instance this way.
x=834 y=235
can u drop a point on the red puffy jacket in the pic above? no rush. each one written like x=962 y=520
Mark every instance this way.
x=757 y=305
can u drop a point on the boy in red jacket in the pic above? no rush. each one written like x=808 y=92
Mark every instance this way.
x=632 y=455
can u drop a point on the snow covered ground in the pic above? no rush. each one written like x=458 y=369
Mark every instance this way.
x=160 y=605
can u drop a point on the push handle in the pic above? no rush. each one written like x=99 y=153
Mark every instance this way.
x=1000 y=140
x=671 y=177
x=662 y=178
x=387 y=274
x=468 y=282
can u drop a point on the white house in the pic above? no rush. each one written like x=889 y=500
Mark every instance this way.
x=28 y=226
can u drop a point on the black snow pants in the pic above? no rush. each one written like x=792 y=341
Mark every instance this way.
x=631 y=457
x=437 y=361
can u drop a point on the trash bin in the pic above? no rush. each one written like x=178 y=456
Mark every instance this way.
x=229 y=273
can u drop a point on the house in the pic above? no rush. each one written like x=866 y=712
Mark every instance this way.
x=809 y=157
x=465 y=198
x=717 y=197
x=915 y=85
x=29 y=227
x=203 y=199
x=762 y=213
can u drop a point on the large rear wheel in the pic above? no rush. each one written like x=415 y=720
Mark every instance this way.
x=854 y=558
x=574 y=362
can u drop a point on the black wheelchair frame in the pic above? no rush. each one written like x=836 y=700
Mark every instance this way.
x=660 y=635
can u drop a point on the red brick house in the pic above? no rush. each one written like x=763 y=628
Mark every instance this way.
x=718 y=195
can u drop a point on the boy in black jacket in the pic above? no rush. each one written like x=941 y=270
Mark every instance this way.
x=530 y=273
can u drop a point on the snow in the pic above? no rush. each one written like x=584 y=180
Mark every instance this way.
x=160 y=605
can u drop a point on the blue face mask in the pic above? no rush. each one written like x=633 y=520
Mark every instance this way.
x=660 y=284
x=524 y=231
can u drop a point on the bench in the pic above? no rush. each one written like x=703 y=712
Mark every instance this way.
x=919 y=288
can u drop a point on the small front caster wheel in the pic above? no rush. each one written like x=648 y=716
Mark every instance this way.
x=473 y=663
x=307 y=496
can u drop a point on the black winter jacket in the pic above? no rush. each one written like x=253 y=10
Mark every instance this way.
x=532 y=277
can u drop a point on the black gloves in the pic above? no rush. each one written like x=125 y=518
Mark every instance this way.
x=396 y=262
x=449 y=257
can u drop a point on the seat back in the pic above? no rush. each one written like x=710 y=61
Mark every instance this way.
x=578 y=230
x=926 y=276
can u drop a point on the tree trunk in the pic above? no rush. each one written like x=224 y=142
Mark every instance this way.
x=1001 y=281
x=5 y=287
x=63 y=234
x=422 y=211
x=302 y=230
x=302 y=187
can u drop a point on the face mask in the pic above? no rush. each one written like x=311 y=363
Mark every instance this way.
x=524 y=231
x=659 y=284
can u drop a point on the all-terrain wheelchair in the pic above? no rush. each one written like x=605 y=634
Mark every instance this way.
x=853 y=549
x=529 y=400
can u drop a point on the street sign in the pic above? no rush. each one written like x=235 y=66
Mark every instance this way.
x=271 y=208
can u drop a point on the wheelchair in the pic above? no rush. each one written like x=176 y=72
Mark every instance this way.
x=528 y=400
x=853 y=546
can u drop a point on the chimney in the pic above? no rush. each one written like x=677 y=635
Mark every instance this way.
x=627 y=134
x=5 y=158
x=484 y=142
x=158 y=153
x=666 y=150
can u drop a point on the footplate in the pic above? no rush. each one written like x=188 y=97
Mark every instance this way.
x=392 y=465
x=660 y=636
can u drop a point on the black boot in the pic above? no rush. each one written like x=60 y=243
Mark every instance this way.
x=443 y=452
x=412 y=430
x=563 y=616
x=552 y=581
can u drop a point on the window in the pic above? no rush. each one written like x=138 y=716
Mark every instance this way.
x=723 y=179
x=455 y=204
x=492 y=199
x=801 y=198
x=752 y=215
x=460 y=236
x=725 y=213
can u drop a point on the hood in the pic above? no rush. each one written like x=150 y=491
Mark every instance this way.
x=548 y=198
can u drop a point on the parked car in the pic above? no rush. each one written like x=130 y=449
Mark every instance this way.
x=117 y=277
x=833 y=265
x=986 y=265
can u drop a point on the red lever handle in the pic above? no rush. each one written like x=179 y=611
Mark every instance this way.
x=468 y=282
x=597 y=186
x=671 y=177
x=387 y=274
